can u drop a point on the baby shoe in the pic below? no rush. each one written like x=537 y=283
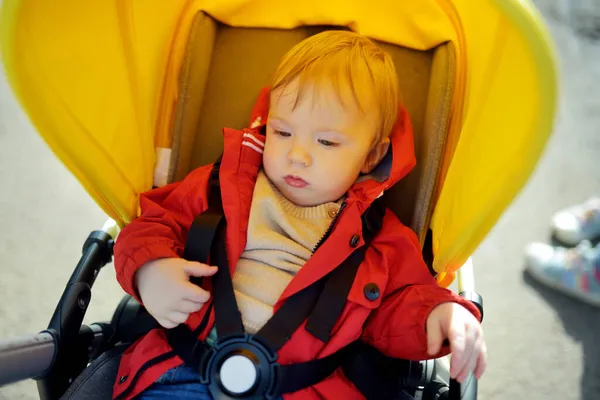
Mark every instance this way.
x=573 y=271
x=577 y=223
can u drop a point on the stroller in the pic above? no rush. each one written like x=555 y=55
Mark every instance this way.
x=130 y=95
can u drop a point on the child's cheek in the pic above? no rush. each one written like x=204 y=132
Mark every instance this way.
x=271 y=155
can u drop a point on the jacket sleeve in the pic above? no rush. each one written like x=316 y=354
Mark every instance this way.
x=160 y=231
x=397 y=327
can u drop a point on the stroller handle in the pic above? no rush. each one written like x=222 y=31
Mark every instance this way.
x=466 y=277
x=111 y=227
x=26 y=357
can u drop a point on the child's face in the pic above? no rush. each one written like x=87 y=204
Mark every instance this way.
x=315 y=152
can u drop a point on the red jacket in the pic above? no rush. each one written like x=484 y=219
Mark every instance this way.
x=394 y=323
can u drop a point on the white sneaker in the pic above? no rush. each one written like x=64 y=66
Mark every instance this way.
x=573 y=271
x=578 y=223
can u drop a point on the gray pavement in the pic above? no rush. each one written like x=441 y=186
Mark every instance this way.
x=542 y=345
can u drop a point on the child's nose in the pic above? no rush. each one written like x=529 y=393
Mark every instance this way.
x=299 y=155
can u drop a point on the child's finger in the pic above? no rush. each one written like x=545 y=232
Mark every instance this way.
x=165 y=323
x=199 y=269
x=189 y=306
x=177 y=317
x=195 y=293
x=457 y=347
x=467 y=368
x=481 y=362
x=472 y=349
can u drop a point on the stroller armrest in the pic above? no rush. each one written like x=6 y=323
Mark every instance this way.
x=35 y=356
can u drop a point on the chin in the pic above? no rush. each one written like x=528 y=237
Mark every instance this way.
x=301 y=201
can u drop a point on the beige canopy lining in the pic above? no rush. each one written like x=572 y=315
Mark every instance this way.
x=224 y=69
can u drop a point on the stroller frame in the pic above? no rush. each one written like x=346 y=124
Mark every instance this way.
x=56 y=356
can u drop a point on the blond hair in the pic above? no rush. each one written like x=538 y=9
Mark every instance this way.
x=335 y=57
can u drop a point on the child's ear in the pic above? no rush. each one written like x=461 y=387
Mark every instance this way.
x=376 y=155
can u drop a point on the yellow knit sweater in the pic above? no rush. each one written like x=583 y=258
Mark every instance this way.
x=281 y=238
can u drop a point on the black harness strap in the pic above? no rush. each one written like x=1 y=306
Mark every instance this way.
x=294 y=377
x=186 y=345
x=289 y=378
x=322 y=302
x=201 y=234
x=280 y=327
x=214 y=187
x=202 y=231
x=333 y=299
x=326 y=297
x=228 y=318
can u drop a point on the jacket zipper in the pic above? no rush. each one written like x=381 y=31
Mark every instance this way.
x=331 y=226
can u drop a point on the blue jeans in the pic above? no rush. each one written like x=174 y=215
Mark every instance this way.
x=181 y=382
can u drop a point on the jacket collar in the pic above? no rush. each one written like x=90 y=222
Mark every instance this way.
x=242 y=159
x=397 y=163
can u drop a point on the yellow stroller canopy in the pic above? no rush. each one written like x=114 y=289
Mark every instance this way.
x=99 y=80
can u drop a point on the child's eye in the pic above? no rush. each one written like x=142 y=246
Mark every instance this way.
x=327 y=143
x=282 y=133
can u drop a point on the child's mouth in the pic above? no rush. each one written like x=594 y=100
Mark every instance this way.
x=296 y=182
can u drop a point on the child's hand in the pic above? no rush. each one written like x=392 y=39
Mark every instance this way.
x=166 y=291
x=463 y=330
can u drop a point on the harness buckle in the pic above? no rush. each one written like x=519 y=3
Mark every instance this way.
x=240 y=367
